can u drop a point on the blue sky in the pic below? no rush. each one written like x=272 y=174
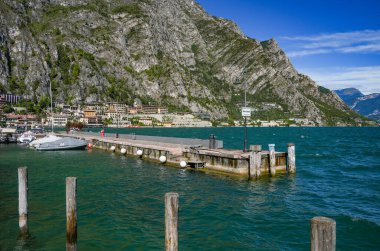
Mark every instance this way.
x=335 y=42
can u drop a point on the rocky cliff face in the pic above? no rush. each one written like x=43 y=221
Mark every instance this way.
x=169 y=52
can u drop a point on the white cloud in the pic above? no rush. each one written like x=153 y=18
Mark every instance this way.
x=366 y=79
x=365 y=41
x=361 y=48
x=301 y=53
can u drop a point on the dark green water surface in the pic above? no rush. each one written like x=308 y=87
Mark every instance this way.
x=121 y=199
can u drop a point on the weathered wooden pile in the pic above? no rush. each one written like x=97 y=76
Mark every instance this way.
x=322 y=229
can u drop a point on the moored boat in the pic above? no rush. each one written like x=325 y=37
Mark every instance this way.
x=65 y=143
x=8 y=135
x=26 y=137
x=46 y=139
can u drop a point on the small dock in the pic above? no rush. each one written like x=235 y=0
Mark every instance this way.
x=208 y=155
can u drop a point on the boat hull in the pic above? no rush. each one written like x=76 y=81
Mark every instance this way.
x=63 y=148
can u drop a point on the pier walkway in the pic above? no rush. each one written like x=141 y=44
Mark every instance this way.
x=207 y=154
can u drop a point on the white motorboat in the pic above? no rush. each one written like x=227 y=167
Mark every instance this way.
x=46 y=139
x=26 y=137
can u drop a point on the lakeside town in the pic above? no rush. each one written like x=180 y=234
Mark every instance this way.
x=118 y=115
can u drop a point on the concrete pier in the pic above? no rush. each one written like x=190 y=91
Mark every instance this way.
x=196 y=153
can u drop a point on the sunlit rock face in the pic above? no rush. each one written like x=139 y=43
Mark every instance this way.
x=169 y=52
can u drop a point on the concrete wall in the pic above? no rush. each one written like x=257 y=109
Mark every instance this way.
x=220 y=162
x=236 y=165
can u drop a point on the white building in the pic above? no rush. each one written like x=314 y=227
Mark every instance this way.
x=59 y=120
x=269 y=124
x=176 y=120
x=188 y=120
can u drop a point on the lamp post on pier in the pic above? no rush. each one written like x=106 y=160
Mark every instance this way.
x=245 y=112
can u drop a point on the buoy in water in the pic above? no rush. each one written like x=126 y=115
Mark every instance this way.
x=139 y=152
x=183 y=164
x=162 y=159
x=89 y=145
x=112 y=148
x=123 y=150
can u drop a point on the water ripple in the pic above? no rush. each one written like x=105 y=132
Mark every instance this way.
x=121 y=199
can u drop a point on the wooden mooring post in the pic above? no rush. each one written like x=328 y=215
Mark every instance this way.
x=322 y=234
x=71 y=214
x=291 y=159
x=322 y=229
x=171 y=221
x=23 y=200
x=254 y=171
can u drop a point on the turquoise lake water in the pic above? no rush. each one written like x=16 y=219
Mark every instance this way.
x=121 y=199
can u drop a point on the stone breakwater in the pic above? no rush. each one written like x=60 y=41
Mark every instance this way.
x=207 y=155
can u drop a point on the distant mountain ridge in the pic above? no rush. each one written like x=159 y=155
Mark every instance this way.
x=366 y=105
x=349 y=95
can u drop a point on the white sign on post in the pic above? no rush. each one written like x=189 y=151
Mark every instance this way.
x=246 y=111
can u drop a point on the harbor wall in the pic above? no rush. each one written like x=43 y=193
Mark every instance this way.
x=220 y=160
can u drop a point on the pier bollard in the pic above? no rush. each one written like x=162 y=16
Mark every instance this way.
x=71 y=214
x=272 y=160
x=255 y=162
x=171 y=221
x=23 y=200
x=322 y=234
x=291 y=158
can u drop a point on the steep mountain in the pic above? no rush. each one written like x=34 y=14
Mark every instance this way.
x=366 y=105
x=349 y=95
x=169 y=52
